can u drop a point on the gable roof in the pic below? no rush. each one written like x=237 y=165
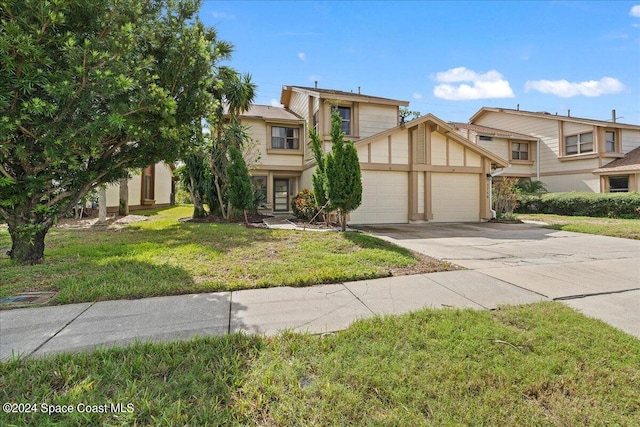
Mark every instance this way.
x=489 y=131
x=630 y=162
x=549 y=116
x=268 y=112
x=285 y=97
x=445 y=129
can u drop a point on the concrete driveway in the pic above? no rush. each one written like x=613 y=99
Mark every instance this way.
x=598 y=275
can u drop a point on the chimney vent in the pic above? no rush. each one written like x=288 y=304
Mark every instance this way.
x=568 y=113
x=358 y=90
x=613 y=116
x=518 y=107
x=316 y=84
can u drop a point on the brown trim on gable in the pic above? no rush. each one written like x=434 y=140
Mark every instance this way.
x=368 y=153
x=446 y=144
x=384 y=167
x=440 y=168
x=278 y=168
x=574 y=172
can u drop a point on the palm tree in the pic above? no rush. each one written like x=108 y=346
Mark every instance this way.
x=233 y=94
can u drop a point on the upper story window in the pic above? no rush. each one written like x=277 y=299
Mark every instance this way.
x=285 y=138
x=484 y=138
x=609 y=141
x=578 y=144
x=316 y=122
x=345 y=115
x=520 y=151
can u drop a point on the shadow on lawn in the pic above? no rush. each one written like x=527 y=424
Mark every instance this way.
x=366 y=241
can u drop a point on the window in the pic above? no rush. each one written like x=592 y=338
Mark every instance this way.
x=578 y=144
x=285 y=138
x=485 y=138
x=148 y=178
x=345 y=115
x=260 y=189
x=609 y=141
x=316 y=122
x=520 y=151
x=619 y=184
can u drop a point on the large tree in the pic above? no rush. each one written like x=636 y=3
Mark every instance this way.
x=343 y=176
x=88 y=90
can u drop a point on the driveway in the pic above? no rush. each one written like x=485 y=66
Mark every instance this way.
x=597 y=275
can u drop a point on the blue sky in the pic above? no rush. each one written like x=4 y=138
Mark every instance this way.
x=447 y=58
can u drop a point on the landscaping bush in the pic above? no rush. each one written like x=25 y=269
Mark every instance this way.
x=611 y=205
x=304 y=205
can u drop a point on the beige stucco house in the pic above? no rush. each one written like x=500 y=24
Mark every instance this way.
x=420 y=170
x=566 y=153
x=153 y=187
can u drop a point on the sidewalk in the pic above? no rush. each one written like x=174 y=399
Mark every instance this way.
x=316 y=309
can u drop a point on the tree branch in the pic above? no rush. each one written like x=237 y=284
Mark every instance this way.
x=4 y=172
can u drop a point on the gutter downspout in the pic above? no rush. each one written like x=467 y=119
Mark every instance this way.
x=538 y=159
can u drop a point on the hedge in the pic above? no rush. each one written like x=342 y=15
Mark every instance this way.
x=612 y=205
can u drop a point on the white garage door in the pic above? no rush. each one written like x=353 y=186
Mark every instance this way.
x=384 y=198
x=455 y=197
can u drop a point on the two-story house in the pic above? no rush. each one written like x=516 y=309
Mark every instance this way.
x=566 y=153
x=420 y=170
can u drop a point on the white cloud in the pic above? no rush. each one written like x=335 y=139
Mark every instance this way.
x=566 y=89
x=635 y=11
x=275 y=102
x=417 y=95
x=222 y=15
x=302 y=56
x=483 y=86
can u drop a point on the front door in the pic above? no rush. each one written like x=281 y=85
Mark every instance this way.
x=280 y=195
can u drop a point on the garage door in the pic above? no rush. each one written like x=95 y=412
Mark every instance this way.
x=384 y=198
x=455 y=197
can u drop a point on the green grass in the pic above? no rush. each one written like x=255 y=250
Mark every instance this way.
x=163 y=256
x=626 y=228
x=537 y=365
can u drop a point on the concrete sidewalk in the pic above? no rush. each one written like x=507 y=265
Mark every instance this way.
x=316 y=309
x=508 y=264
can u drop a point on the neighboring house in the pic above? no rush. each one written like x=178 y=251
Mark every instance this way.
x=621 y=175
x=153 y=187
x=566 y=153
x=420 y=170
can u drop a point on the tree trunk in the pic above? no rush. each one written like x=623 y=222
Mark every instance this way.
x=343 y=220
x=196 y=198
x=102 y=204
x=27 y=243
x=123 y=207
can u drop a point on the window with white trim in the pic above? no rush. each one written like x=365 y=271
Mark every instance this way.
x=609 y=141
x=345 y=115
x=284 y=138
x=578 y=144
x=520 y=151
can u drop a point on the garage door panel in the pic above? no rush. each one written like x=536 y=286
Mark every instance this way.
x=384 y=198
x=455 y=197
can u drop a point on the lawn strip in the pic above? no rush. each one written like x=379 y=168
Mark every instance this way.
x=540 y=364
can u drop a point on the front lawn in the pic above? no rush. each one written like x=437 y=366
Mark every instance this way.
x=163 y=256
x=614 y=227
x=534 y=365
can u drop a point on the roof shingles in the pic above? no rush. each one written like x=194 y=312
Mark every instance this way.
x=630 y=162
